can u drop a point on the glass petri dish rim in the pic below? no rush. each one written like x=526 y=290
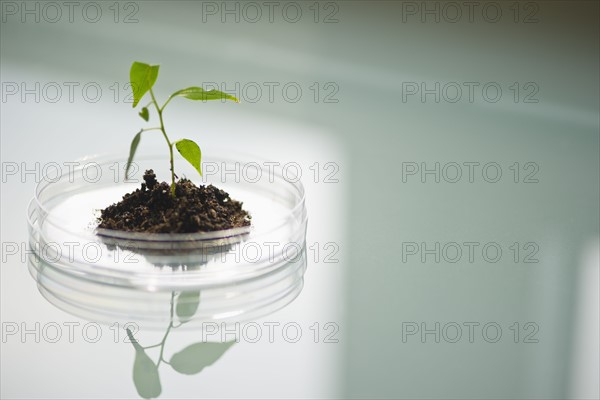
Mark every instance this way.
x=38 y=211
x=106 y=158
x=268 y=302
x=117 y=277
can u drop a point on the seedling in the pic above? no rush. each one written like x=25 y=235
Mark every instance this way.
x=142 y=77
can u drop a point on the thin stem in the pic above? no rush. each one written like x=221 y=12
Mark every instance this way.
x=166 y=102
x=163 y=341
x=162 y=128
x=162 y=345
x=150 y=129
x=151 y=347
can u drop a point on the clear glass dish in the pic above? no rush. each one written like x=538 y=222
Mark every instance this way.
x=116 y=276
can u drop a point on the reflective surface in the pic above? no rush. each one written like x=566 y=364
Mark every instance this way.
x=450 y=158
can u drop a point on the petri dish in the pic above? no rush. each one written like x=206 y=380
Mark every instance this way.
x=115 y=276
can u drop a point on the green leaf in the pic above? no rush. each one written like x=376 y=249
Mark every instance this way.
x=134 y=144
x=142 y=77
x=197 y=356
x=144 y=114
x=145 y=376
x=145 y=372
x=197 y=93
x=191 y=152
x=187 y=304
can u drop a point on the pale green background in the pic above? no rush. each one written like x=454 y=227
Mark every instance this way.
x=369 y=54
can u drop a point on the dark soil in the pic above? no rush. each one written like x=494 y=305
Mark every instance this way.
x=152 y=209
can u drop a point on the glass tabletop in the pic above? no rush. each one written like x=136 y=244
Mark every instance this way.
x=449 y=155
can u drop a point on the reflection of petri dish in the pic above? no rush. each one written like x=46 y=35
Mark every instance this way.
x=116 y=276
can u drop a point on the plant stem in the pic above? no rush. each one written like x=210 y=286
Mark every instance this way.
x=162 y=347
x=162 y=128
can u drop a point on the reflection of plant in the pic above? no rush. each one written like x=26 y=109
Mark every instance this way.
x=191 y=360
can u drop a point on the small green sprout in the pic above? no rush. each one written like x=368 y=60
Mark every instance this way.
x=142 y=77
